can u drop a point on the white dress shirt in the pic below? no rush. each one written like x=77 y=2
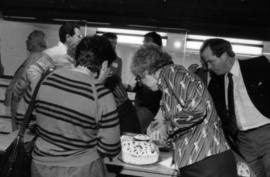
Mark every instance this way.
x=247 y=115
x=57 y=52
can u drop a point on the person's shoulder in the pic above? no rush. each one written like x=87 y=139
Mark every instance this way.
x=43 y=57
x=55 y=50
x=255 y=61
x=103 y=93
x=49 y=50
x=36 y=54
x=172 y=68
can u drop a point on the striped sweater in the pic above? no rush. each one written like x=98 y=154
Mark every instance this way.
x=76 y=119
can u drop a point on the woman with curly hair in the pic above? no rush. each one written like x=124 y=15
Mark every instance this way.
x=190 y=120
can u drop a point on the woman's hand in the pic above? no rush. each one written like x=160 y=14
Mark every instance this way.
x=157 y=135
x=157 y=131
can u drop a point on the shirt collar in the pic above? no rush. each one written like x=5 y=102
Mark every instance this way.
x=82 y=69
x=235 y=70
x=162 y=72
x=62 y=46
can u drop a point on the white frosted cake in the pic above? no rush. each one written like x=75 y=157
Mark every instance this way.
x=138 y=151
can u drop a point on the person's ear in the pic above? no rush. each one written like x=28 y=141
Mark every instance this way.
x=156 y=74
x=68 y=38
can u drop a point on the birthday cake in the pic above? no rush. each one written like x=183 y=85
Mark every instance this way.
x=139 y=150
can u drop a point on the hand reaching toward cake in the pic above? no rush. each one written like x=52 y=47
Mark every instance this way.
x=157 y=131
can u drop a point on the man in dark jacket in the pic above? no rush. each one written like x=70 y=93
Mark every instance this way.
x=241 y=92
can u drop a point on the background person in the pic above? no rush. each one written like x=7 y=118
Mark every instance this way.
x=117 y=64
x=147 y=101
x=36 y=42
x=127 y=114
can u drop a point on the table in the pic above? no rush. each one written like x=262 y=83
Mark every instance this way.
x=154 y=170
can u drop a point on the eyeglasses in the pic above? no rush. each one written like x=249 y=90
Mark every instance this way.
x=138 y=79
x=80 y=36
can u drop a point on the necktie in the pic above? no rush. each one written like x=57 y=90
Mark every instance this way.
x=231 y=109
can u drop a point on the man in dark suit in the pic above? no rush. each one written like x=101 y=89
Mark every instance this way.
x=241 y=92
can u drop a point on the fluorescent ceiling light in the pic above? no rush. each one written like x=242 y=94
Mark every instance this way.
x=130 y=39
x=193 y=45
x=138 y=40
x=126 y=31
x=252 y=50
x=238 y=49
x=177 y=44
x=266 y=53
x=232 y=40
x=130 y=36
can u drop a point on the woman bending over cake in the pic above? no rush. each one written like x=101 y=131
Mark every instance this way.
x=190 y=118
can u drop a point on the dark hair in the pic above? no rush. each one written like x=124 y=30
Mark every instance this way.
x=67 y=28
x=36 y=41
x=149 y=58
x=218 y=46
x=110 y=35
x=156 y=38
x=92 y=51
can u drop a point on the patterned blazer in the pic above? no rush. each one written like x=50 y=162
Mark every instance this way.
x=190 y=114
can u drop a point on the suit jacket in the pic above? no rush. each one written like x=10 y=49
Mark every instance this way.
x=256 y=76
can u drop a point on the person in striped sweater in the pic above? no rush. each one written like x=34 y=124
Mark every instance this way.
x=76 y=116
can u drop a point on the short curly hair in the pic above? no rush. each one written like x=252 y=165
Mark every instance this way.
x=92 y=51
x=149 y=58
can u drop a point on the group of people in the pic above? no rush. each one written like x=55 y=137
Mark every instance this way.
x=208 y=129
x=75 y=115
x=82 y=107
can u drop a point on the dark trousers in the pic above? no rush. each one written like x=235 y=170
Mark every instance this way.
x=129 y=121
x=254 y=145
x=220 y=165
